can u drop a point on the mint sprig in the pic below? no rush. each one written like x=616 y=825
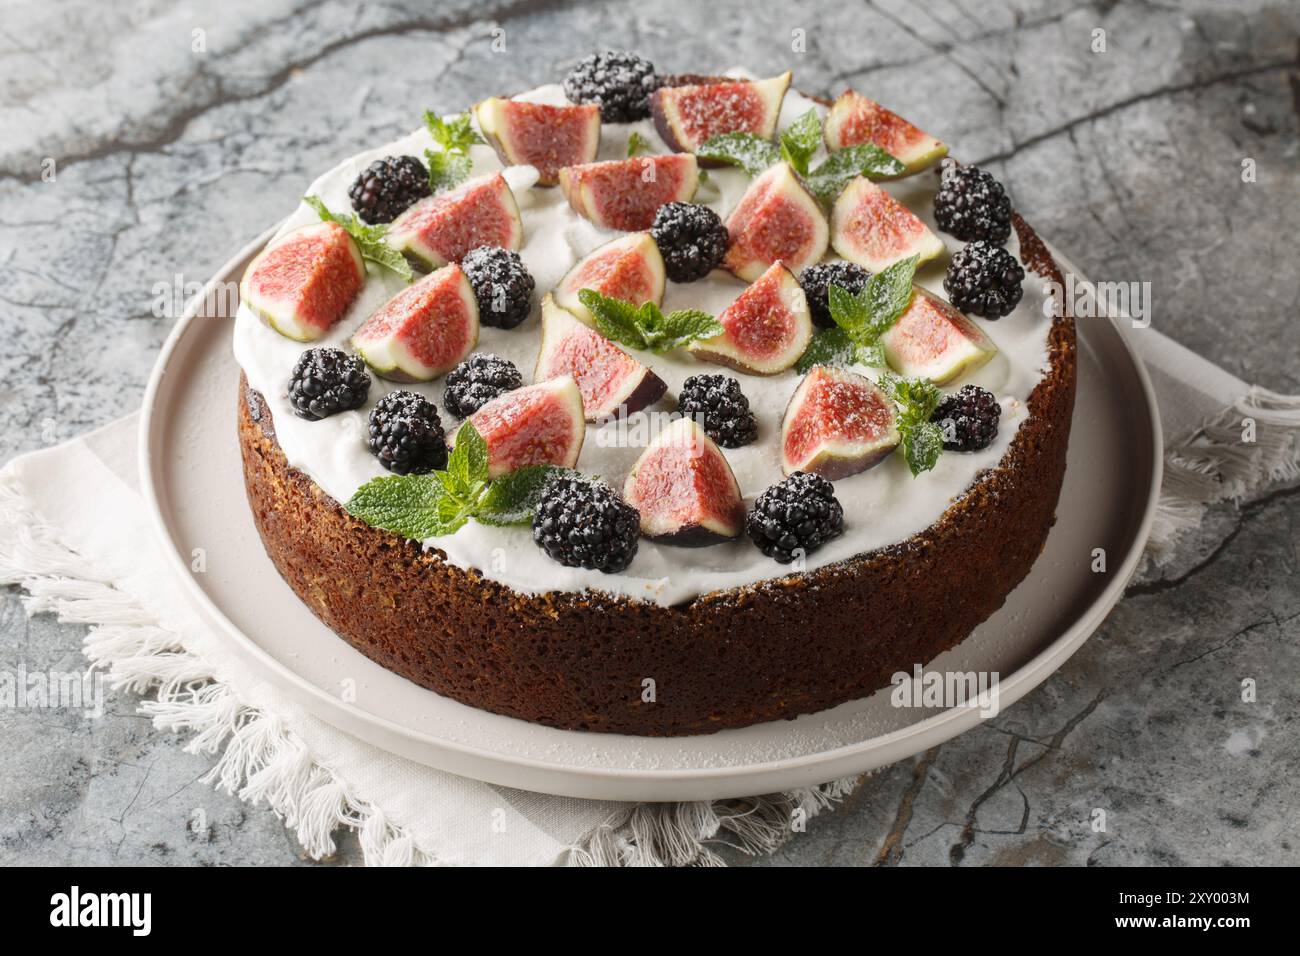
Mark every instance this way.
x=751 y=153
x=800 y=140
x=922 y=439
x=861 y=319
x=866 y=159
x=441 y=502
x=637 y=145
x=796 y=146
x=455 y=135
x=450 y=165
x=369 y=239
x=645 y=327
x=447 y=169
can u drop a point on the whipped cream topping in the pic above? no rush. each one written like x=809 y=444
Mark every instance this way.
x=882 y=506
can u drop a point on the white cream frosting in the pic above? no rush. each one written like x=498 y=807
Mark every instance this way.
x=882 y=506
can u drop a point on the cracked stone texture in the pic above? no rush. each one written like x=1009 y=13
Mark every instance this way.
x=171 y=149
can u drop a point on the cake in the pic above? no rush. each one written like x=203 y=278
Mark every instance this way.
x=526 y=423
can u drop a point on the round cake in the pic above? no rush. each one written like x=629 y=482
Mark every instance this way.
x=654 y=404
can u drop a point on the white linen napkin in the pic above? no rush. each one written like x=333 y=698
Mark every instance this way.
x=74 y=535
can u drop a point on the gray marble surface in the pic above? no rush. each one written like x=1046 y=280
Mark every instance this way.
x=169 y=157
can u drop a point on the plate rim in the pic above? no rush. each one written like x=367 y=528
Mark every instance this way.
x=621 y=783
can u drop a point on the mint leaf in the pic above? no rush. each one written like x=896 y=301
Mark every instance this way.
x=446 y=169
x=413 y=506
x=638 y=144
x=850 y=312
x=922 y=445
x=683 y=326
x=468 y=464
x=455 y=135
x=369 y=239
x=450 y=165
x=645 y=327
x=865 y=159
x=751 y=153
x=800 y=141
x=615 y=319
x=922 y=439
x=871 y=355
x=439 y=503
x=861 y=319
x=914 y=395
x=512 y=498
x=888 y=293
x=828 y=347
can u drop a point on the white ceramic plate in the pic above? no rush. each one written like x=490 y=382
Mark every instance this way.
x=192 y=478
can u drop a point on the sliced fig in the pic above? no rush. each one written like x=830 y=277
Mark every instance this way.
x=687 y=117
x=684 y=488
x=765 y=329
x=933 y=340
x=547 y=138
x=629 y=268
x=608 y=377
x=626 y=193
x=538 y=424
x=776 y=219
x=837 y=424
x=875 y=230
x=443 y=228
x=424 y=331
x=303 y=282
x=855 y=119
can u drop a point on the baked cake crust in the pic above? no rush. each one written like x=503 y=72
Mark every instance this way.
x=775 y=649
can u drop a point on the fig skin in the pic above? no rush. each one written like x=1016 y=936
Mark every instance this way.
x=866 y=454
x=973 y=349
x=772 y=91
x=493 y=116
x=290 y=324
x=563 y=392
x=558 y=324
x=777 y=193
x=848 y=219
x=723 y=521
x=725 y=349
x=920 y=152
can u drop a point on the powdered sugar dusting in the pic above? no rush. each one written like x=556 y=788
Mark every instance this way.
x=882 y=506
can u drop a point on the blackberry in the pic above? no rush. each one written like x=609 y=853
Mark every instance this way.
x=582 y=523
x=720 y=406
x=476 y=381
x=817 y=280
x=388 y=187
x=406 y=434
x=691 y=239
x=619 y=83
x=502 y=285
x=799 y=514
x=984 y=279
x=325 y=382
x=971 y=204
x=969 y=419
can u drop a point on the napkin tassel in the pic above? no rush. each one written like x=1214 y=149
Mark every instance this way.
x=686 y=834
x=258 y=759
x=1232 y=456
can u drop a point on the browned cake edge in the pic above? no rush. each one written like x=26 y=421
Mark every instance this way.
x=778 y=648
